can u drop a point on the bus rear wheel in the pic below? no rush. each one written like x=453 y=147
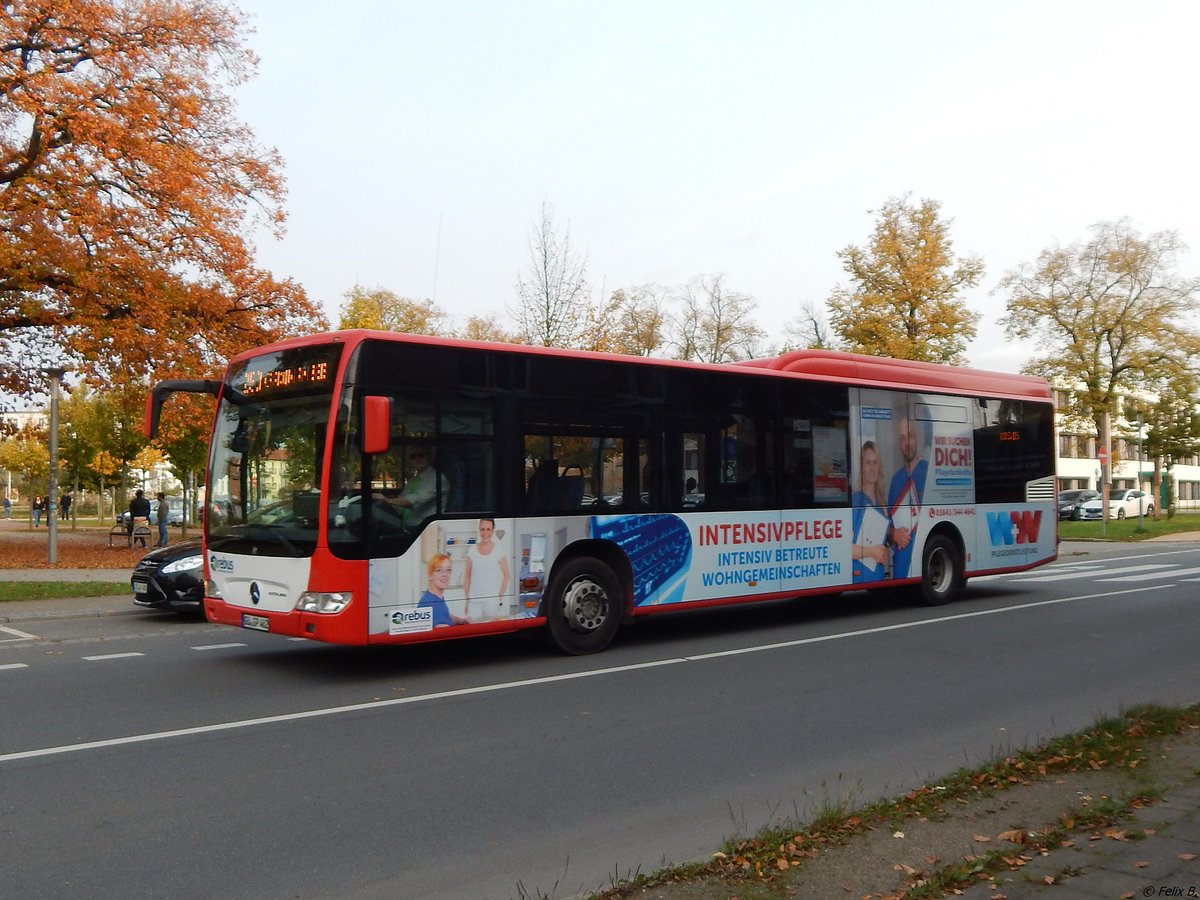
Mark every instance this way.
x=583 y=607
x=941 y=571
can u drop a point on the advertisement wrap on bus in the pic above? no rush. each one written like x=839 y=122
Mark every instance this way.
x=367 y=487
x=709 y=557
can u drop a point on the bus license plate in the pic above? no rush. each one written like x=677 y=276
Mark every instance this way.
x=258 y=623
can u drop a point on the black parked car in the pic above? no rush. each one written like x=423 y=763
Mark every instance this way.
x=1070 y=503
x=171 y=578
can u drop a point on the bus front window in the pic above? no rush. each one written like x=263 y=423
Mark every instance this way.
x=264 y=495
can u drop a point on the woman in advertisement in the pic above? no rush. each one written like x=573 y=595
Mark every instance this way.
x=487 y=578
x=870 y=554
x=435 y=597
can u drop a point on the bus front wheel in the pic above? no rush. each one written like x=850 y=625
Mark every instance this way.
x=583 y=607
x=941 y=571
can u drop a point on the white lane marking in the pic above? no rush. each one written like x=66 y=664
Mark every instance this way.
x=112 y=656
x=531 y=682
x=219 y=646
x=1172 y=574
x=1150 y=555
x=935 y=621
x=18 y=635
x=1071 y=570
x=1104 y=573
x=15 y=666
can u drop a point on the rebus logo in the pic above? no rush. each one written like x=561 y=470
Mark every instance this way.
x=406 y=621
x=1014 y=527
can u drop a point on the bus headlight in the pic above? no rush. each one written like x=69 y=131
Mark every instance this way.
x=322 y=602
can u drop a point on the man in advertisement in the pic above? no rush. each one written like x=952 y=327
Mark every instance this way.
x=905 y=496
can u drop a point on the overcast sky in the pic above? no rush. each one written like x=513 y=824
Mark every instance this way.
x=753 y=139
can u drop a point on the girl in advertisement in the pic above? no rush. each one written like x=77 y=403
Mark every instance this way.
x=870 y=555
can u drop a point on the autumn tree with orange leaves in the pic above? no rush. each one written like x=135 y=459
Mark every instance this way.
x=129 y=192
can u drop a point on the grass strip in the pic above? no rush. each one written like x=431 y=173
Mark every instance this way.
x=16 y=591
x=1127 y=529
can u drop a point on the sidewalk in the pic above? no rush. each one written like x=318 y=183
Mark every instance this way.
x=1163 y=864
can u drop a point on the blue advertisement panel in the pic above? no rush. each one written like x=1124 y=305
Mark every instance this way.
x=1016 y=534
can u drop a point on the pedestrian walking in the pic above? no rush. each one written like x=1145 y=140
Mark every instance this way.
x=7 y=508
x=39 y=507
x=163 y=511
x=64 y=507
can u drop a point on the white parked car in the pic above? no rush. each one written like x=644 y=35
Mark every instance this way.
x=1122 y=504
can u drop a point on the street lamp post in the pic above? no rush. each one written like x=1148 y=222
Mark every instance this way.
x=52 y=494
x=1141 y=505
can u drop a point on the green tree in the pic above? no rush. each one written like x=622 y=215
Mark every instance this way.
x=1109 y=314
x=904 y=297
x=382 y=309
x=1174 y=432
x=80 y=436
x=123 y=408
x=27 y=454
x=183 y=437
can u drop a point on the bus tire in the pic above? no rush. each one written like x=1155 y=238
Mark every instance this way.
x=583 y=607
x=941 y=571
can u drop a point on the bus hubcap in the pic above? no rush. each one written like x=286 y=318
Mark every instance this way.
x=940 y=571
x=585 y=605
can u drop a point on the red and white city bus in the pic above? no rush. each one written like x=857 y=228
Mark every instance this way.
x=372 y=487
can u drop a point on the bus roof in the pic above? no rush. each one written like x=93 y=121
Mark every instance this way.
x=864 y=370
x=821 y=365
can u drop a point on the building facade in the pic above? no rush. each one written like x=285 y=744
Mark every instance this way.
x=1079 y=456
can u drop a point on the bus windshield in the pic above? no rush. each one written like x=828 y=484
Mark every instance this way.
x=264 y=489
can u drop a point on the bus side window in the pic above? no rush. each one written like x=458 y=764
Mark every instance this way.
x=542 y=488
x=692 y=465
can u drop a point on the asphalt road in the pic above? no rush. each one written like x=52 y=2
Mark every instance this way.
x=146 y=756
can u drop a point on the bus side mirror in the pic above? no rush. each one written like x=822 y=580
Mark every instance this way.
x=377 y=424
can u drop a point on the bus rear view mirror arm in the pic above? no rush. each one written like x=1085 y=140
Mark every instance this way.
x=160 y=392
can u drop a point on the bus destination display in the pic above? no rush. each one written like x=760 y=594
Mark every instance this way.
x=291 y=376
x=286 y=371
